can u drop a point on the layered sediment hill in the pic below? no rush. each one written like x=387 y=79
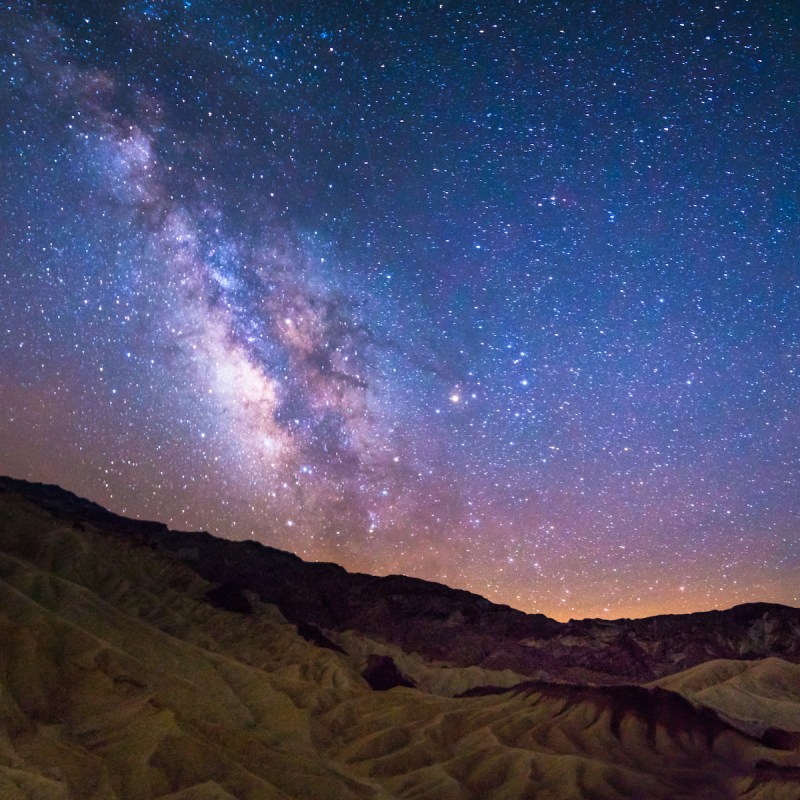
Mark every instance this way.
x=130 y=669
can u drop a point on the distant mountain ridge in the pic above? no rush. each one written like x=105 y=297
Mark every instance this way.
x=127 y=675
x=440 y=623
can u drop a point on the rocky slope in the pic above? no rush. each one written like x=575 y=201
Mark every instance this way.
x=123 y=678
x=441 y=624
x=755 y=696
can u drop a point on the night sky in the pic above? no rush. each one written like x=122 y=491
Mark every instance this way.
x=504 y=295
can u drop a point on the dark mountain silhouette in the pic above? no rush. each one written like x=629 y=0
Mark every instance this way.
x=440 y=623
x=139 y=663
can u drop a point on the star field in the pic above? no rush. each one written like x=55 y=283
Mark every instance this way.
x=504 y=295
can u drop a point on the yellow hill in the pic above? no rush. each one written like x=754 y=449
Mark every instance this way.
x=121 y=682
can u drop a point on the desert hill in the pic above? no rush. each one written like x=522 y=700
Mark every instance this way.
x=130 y=669
x=439 y=623
x=754 y=695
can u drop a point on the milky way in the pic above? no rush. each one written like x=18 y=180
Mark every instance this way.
x=504 y=295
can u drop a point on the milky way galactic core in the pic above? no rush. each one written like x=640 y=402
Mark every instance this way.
x=504 y=295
